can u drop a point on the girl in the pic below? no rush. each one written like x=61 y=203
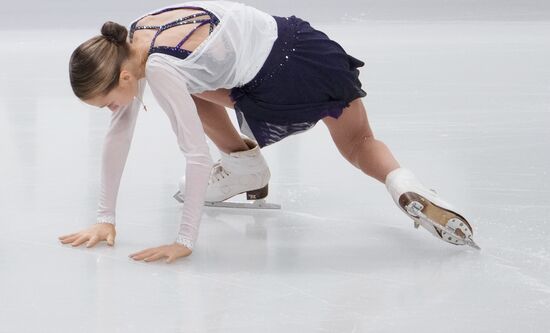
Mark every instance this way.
x=279 y=74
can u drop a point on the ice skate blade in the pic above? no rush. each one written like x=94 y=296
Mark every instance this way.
x=451 y=234
x=256 y=204
x=178 y=197
x=448 y=233
x=449 y=225
x=470 y=242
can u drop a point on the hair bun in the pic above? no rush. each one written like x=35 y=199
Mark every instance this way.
x=114 y=32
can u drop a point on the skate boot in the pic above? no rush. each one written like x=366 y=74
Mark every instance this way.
x=427 y=209
x=236 y=173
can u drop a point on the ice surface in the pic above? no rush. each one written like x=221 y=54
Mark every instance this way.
x=463 y=104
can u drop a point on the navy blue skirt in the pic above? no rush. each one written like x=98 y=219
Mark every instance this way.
x=305 y=78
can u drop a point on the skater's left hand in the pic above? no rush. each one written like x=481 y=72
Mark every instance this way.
x=172 y=251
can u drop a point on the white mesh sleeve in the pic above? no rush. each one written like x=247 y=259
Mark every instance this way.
x=115 y=152
x=171 y=92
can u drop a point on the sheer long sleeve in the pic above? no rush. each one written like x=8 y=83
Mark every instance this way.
x=170 y=91
x=115 y=153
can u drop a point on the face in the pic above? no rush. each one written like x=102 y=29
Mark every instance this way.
x=122 y=95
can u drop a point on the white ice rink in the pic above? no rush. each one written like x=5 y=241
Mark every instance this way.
x=466 y=105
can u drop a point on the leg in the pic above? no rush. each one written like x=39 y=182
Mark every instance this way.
x=218 y=126
x=353 y=137
x=242 y=168
x=355 y=141
x=220 y=97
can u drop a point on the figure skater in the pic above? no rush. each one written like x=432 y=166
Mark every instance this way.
x=280 y=75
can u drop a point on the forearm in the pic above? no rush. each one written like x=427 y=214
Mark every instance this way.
x=116 y=147
x=195 y=191
x=115 y=154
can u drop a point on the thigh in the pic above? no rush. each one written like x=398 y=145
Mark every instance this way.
x=218 y=126
x=219 y=97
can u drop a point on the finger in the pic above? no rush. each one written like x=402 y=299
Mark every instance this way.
x=170 y=259
x=155 y=256
x=110 y=239
x=70 y=239
x=143 y=254
x=65 y=236
x=80 y=240
x=138 y=253
x=93 y=241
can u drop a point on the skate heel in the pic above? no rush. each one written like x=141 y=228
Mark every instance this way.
x=257 y=194
x=413 y=204
x=416 y=205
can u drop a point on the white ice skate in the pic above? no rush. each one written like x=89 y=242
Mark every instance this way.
x=236 y=173
x=428 y=210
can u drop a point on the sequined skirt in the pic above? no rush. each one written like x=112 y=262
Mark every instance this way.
x=305 y=78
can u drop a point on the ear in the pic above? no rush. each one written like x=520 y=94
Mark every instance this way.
x=125 y=77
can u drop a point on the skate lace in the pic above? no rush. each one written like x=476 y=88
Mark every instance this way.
x=218 y=173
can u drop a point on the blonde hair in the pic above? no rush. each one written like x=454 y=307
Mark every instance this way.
x=95 y=65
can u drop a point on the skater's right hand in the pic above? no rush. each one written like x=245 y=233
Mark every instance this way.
x=94 y=234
